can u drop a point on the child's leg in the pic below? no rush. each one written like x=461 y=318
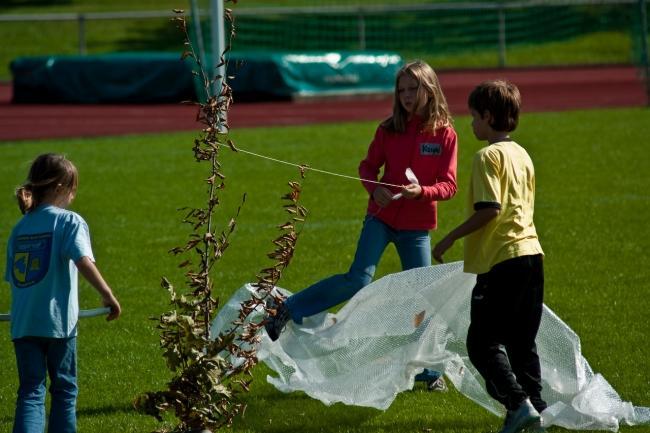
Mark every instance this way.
x=414 y=248
x=30 y=405
x=525 y=365
x=522 y=349
x=491 y=321
x=62 y=368
x=331 y=291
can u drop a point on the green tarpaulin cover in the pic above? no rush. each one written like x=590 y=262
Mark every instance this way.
x=163 y=77
x=107 y=78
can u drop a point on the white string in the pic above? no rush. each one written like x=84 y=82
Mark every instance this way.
x=306 y=167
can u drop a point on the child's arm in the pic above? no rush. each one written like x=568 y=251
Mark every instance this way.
x=94 y=277
x=478 y=219
x=370 y=166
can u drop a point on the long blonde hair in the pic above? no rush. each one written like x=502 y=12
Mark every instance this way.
x=437 y=113
x=48 y=171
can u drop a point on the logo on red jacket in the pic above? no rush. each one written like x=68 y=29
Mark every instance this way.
x=430 y=149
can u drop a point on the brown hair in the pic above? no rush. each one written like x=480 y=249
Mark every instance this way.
x=501 y=99
x=437 y=113
x=47 y=172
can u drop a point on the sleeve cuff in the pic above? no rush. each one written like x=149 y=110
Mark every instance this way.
x=487 y=205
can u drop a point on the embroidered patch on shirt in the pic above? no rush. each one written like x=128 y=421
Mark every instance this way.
x=430 y=149
x=31 y=258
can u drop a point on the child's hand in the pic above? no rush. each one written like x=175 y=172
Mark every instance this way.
x=412 y=191
x=91 y=273
x=441 y=247
x=111 y=302
x=382 y=196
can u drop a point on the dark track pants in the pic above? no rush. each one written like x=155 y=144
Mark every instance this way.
x=505 y=316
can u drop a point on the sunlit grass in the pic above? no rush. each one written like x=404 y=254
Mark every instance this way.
x=591 y=213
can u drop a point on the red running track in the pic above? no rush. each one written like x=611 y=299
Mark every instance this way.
x=549 y=89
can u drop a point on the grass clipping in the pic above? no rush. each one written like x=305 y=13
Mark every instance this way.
x=204 y=392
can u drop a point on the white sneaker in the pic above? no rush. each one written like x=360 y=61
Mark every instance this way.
x=525 y=416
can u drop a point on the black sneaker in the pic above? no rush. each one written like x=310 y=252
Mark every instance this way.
x=276 y=323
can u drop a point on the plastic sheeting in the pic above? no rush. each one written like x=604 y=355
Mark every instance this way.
x=371 y=350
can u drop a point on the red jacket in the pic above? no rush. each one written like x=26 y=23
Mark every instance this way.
x=432 y=157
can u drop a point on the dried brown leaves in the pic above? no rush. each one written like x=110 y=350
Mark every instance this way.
x=203 y=392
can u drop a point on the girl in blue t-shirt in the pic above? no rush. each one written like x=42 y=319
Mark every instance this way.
x=45 y=250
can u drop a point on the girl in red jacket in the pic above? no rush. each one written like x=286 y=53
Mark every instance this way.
x=418 y=136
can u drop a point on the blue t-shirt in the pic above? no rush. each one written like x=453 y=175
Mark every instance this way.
x=41 y=252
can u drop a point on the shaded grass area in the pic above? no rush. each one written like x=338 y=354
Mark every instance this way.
x=26 y=6
x=591 y=213
x=463 y=45
x=102 y=36
x=595 y=48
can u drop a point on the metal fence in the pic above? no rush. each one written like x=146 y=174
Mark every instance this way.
x=442 y=26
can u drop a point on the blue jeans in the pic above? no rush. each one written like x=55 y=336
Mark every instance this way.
x=413 y=247
x=36 y=357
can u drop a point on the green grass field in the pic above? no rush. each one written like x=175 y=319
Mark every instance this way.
x=591 y=214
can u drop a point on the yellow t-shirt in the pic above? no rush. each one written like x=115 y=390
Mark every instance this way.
x=503 y=177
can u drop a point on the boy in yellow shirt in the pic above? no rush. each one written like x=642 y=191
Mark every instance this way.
x=502 y=248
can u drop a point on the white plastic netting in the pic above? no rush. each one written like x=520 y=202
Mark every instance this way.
x=392 y=329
